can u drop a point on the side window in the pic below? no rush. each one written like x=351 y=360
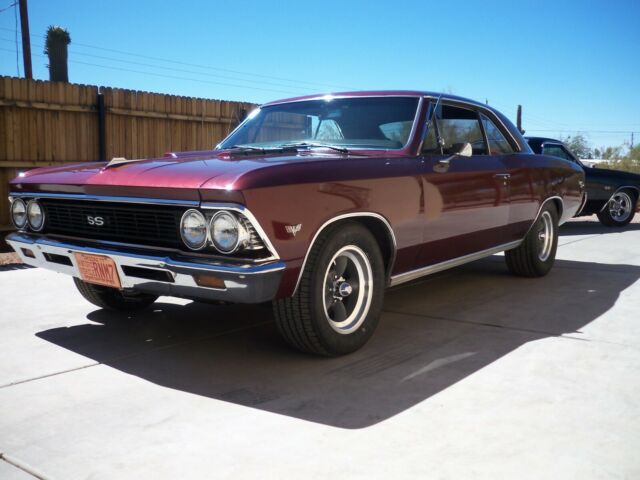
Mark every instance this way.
x=555 y=151
x=498 y=144
x=456 y=125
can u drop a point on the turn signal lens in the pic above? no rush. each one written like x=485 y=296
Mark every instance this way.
x=204 y=280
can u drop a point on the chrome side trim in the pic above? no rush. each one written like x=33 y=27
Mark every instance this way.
x=107 y=198
x=455 y=262
x=342 y=217
x=617 y=190
x=249 y=216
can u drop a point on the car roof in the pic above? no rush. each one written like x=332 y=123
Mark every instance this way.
x=543 y=140
x=380 y=93
x=523 y=146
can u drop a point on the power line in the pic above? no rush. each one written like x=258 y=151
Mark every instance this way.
x=207 y=67
x=7 y=8
x=174 y=77
x=261 y=82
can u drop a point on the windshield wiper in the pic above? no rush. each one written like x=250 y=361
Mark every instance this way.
x=250 y=148
x=316 y=145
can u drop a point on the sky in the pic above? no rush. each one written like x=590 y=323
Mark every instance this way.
x=573 y=65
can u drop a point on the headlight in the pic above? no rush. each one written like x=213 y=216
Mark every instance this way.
x=226 y=232
x=193 y=229
x=19 y=213
x=35 y=215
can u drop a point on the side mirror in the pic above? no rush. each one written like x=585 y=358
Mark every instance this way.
x=457 y=149
x=462 y=149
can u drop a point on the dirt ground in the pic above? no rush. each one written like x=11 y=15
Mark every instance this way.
x=9 y=259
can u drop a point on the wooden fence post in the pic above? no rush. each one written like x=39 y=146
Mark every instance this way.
x=102 y=130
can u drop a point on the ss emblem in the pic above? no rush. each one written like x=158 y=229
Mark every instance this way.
x=96 y=221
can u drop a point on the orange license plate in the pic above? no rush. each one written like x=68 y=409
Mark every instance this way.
x=98 y=269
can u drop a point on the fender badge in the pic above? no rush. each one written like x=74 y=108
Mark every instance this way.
x=293 y=229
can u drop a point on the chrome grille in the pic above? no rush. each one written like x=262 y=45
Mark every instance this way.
x=127 y=223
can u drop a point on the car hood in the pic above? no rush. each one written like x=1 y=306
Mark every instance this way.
x=176 y=171
x=616 y=174
x=189 y=171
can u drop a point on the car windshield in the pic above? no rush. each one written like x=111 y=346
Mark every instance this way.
x=356 y=122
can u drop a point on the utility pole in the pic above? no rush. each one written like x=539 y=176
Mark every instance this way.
x=631 y=139
x=26 y=42
x=519 y=119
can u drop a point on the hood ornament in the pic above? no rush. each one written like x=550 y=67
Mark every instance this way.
x=115 y=161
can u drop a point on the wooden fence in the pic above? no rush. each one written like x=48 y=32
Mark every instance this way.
x=50 y=123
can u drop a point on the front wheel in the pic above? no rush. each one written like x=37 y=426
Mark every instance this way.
x=537 y=252
x=619 y=210
x=338 y=302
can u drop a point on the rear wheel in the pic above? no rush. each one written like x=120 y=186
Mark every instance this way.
x=537 y=252
x=619 y=210
x=338 y=302
x=112 y=298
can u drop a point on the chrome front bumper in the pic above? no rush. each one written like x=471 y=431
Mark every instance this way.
x=150 y=272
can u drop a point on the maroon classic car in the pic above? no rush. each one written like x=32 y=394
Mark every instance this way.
x=316 y=203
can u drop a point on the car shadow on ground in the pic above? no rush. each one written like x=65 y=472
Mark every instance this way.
x=432 y=334
x=577 y=227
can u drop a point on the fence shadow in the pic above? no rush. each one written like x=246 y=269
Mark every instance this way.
x=433 y=334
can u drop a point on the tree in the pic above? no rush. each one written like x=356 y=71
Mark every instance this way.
x=611 y=153
x=56 y=48
x=629 y=162
x=579 y=145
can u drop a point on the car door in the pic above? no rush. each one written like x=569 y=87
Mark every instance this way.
x=466 y=198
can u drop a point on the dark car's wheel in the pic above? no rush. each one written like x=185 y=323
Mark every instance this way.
x=619 y=210
x=112 y=298
x=338 y=302
x=537 y=252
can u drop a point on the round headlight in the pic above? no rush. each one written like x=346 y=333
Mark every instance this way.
x=19 y=213
x=225 y=232
x=35 y=215
x=193 y=229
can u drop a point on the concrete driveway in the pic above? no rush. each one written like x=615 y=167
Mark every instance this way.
x=473 y=373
